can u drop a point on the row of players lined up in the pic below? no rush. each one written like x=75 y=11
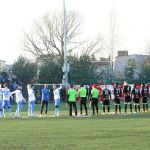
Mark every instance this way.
x=95 y=96
x=105 y=96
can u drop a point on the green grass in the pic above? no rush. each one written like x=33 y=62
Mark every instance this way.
x=102 y=132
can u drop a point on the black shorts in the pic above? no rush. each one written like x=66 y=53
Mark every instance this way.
x=127 y=99
x=144 y=100
x=117 y=101
x=106 y=102
x=136 y=100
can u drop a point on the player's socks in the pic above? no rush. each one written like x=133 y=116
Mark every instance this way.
x=135 y=108
x=131 y=108
x=103 y=109
x=144 y=107
x=139 y=108
x=125 y=108
x=115 y=109
x=147 y=107
x=10 y=114
x=120 y=109
x=108 y=109
x=4 y=112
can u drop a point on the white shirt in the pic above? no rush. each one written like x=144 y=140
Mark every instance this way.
x=19 y=96
x=56 y=94
x=31 y=95
x=6 y=94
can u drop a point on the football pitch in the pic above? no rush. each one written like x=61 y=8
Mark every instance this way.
x=102 y=132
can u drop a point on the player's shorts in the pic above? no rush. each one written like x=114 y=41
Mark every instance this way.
x=144 y=100
x=19 y=104
x=31 y=104
x=117 y=101
x=127 y=99
x=6 y=103
x=106 y=102
x=57 y=102
x=1 y=102
x=136 y=100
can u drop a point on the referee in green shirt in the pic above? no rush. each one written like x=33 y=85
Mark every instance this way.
x=72 y=100
x=94 y=101
x=83 y=98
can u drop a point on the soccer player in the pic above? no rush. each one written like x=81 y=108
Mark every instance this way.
x=127 y=96
x=56 y=92
x=45 y=98
x=72 y=100
x=31 y=100
x=83 y=98
x=19 y=100
x=94 y=99
x=136 y=94
x=117 y=97
x=6 y=100
x=106 y=97
x=1 y=101
x=145 y=95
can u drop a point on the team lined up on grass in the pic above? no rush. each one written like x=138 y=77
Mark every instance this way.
x=95 y=95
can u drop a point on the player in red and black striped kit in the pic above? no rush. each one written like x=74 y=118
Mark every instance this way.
x=117 y=97
x=145 y=95
x=136 y=95
x=106 y=97
x=127 y=96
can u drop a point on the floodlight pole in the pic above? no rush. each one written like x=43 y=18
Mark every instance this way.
x=65 y=77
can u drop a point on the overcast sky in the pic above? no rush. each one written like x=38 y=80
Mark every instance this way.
x=133 y=20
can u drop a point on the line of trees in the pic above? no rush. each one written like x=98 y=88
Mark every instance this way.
x=45 y=43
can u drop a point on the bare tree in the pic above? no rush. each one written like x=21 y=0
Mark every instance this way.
x=46 y=39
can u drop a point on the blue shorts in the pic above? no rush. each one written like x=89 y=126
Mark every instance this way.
x=6 y=103
x=20 y=104
x=1 y=104
x=57 y=102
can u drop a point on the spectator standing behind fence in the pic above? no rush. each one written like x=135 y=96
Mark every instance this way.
x=72 y=100
x=45 y=98
x=31 y=100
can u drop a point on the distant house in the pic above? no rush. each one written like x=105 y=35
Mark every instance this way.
x=121 y=62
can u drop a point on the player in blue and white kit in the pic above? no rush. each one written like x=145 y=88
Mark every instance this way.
x=56 y=92
x=19 y=100
x=6 y=99
x=1 y=101
x=31 y=100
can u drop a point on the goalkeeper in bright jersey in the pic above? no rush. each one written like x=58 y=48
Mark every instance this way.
x=83 y=98
x=94 y=99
